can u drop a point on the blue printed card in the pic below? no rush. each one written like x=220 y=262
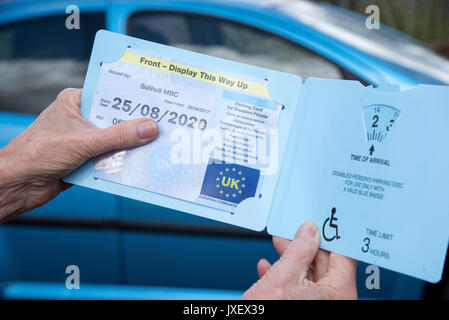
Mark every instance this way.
x=258 y=149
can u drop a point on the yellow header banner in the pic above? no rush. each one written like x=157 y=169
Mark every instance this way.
x=197 y=74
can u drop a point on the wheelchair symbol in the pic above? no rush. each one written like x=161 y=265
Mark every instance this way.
x=331 y=225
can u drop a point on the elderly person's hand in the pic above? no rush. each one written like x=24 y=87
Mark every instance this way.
x=58 y=141
x=304 y=271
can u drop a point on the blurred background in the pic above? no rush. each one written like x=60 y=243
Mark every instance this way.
x=426 y=20
x=129 y=249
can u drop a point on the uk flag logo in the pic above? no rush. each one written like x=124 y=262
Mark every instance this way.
x=230 y=182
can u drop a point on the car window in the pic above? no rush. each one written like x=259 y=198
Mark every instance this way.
x=41 y=57
x=232 y=41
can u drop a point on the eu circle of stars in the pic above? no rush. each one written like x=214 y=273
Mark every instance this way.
x=230 y=182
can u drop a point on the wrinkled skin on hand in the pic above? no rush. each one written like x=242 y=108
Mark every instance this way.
x=57 y=142
x=304 y=271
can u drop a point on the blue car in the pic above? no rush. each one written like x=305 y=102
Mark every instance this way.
x=128 y=249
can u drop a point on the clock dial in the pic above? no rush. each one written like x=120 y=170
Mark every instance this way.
x=379 y=120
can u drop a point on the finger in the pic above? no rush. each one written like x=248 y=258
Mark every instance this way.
x=280 y=244
x=301 y=252
x=341 y=267
x=321 y=264
x=310 y=275
x=262 y=267
x=70 y=97
x=126 y=134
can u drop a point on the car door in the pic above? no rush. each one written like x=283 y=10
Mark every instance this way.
x=39 y=57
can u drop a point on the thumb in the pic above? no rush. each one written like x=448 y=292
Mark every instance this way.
x=301 y=252
x=127 y=134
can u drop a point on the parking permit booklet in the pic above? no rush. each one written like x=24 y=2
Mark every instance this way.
x=259 y=149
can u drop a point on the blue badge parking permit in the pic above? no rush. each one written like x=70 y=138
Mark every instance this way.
x=223 y=128
x=203 y=114
x=255 y=148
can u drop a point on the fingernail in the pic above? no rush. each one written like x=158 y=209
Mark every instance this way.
x=147 y=129
x=310 y=229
